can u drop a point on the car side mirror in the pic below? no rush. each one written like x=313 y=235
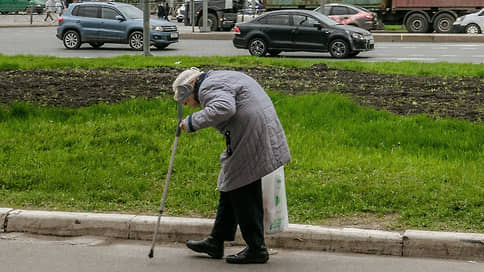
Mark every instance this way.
x=119 y=18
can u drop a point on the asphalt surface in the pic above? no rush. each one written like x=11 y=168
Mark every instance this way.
x=26 y=253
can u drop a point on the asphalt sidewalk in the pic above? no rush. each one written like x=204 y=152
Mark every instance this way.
x=187 y=32
x=410 y=243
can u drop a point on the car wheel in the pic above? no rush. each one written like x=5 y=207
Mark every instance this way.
x=71 y=39
x=274 y=52
x=257 y=47
x=179 y=20
x=136 y=40
x=417 y=23
x=96 y=44
x=443 y=23
x=339 y=48
x=162 y=46
x=211 y=21
x=472 y=29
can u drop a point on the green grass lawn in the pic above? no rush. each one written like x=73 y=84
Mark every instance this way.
x=347 y=161
x=444 y=69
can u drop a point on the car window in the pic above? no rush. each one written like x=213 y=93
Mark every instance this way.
x=87 y=11
x=303 y=20
x=109 y=13
x=278 y=19
x=131 y=12
x=339 y=10
x=351 y=11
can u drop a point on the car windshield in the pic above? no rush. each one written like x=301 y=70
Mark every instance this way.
x=131 y=12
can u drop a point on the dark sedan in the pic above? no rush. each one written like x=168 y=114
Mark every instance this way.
x=300 y=30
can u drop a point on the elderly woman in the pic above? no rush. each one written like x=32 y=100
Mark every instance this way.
x=239 y=108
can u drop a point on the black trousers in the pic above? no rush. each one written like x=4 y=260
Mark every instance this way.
x=243 y=207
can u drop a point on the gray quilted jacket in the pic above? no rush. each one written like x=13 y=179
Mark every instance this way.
x=235 y=104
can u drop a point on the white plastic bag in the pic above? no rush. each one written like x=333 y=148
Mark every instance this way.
x=274 y=202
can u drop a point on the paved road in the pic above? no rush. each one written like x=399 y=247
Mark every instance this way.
x=26 y=253
x=42 y=41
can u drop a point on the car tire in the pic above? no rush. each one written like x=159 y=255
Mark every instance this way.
x=96 y=44
x=339 y=48
x=135 y=40
x=443 y=23
x=71 y=39
x=274 y=52
x=257 y=47
x=473 y=29
x=417 y=23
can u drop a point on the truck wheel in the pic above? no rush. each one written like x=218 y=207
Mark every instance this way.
x=71 y=39
x=473 y=29
x=257 y=47
x=136 y=40
x=339 y=48
x=443 y=23
x=417 y=23
x=211 y=21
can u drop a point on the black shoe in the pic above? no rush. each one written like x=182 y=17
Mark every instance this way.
x=249 y=256
x=211 y=246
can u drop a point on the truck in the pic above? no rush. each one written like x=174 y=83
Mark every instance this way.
x=222 y=14
x=419 y=16
x=16 y=6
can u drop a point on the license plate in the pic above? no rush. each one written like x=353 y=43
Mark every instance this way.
x=174 y=35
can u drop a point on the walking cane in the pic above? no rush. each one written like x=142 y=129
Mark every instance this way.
x=183 y=92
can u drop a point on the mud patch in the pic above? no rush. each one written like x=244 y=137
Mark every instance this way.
x=453 y=97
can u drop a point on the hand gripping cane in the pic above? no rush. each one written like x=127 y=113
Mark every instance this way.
x=183 y=92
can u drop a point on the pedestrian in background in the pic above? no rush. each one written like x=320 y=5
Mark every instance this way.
x=59 y=7
x=167 y=11
x=161 y=11
x=49 y=9
x=239 y=108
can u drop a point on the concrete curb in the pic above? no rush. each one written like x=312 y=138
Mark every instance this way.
x=3 y=218
x=412 y=243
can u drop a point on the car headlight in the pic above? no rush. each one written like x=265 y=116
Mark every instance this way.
x=157 y=28
x=460 y=19
x=357 y=36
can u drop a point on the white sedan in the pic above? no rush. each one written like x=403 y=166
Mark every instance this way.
x=471 y=23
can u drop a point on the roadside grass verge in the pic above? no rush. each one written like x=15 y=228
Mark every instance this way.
x=442 y=69
x=348 y=161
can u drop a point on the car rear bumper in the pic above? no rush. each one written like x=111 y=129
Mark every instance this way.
x=239 y=42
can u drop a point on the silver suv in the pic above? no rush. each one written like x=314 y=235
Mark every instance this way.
x=97 y=23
